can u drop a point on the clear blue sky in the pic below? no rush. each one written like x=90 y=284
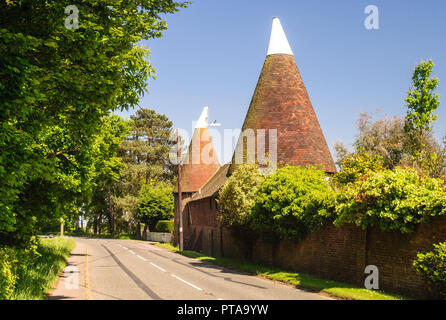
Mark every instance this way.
x=213 y=53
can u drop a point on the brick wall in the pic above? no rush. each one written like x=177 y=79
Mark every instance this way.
x=337 y=253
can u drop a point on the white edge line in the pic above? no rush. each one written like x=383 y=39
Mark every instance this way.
x=157 y=267
x=188 y=283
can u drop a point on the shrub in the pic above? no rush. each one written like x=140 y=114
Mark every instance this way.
x=164 y=226
x=236 y=197
x=292 y=202
x=432 y=266
x=8 y=272
x=395 y=199
x=155 y=203
x=355 y=166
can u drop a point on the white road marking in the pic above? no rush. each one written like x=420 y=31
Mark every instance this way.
x=188 y=283
x=219 y=299
x=157 y=267
x=131 y=252
x=142 y=258
x=124 y=248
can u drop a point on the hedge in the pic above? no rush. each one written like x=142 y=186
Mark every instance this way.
x=164 y=226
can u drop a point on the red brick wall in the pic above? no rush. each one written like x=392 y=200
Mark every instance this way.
x=337 y=253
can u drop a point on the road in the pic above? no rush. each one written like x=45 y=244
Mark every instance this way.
x=103 y=269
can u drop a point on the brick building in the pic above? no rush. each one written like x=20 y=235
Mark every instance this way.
x=280 y=102
x=200 y=164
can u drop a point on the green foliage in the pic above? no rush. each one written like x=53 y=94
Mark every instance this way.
x=355 y=166
x=432 y=266
x=395 y=199
x=37 y=273
x=8 y=272
x=421 y=99
x=164 y=226
x=155 y=203
x=236 y=197
x=421 y=103
x=145 y=153
x=292 y=202
x=405 y=141
x=56 y=86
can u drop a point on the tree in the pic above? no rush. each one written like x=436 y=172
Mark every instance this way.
x=56 y=85
x=145 y=152
x=421 y=100
x=421 y=103
x=236 y=197
x=106 y=170
x=155 y=203
x=387 y=139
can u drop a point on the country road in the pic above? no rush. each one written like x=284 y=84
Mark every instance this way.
x=105 y=269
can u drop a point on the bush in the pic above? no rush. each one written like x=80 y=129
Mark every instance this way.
x=155 y=203
x=164 y=226
x=8 y=272
x=395 y=199
x=292 y=202
x=236 y=197
x=355 y=166
x=432 y=266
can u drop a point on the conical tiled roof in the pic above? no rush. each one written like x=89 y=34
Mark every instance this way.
x=202 y=161
x=281 y=102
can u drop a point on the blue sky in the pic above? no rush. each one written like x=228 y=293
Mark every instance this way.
x=213 y=53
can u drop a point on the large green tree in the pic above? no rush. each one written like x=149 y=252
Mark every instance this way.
x=56 y=85
x=145 y=152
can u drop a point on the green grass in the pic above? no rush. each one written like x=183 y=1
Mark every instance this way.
x=37 y=276
x=333 y=288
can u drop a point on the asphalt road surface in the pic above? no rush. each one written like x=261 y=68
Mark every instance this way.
x=103 y=269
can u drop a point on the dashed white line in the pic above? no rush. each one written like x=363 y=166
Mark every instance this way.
x=188 y=283
x=125 y=248
x=158 y=267
x=142 y=258
x=131 y=252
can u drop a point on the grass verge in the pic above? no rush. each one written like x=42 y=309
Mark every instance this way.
x=38 y=275
x=305 y=281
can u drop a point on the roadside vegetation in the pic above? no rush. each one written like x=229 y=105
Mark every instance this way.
x=299 y=280
x=395 y=179
x=30 y=274
x=65 y=156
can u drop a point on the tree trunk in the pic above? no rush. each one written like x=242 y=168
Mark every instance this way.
x=100 y=224
x=95 y=225
x=111 y=212
x=138 y=229
x=144 y=233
